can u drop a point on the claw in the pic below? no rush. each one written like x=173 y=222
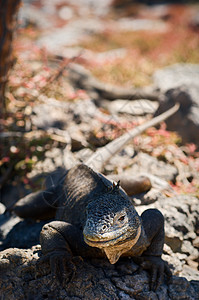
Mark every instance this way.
x=160 y=279
x=154 y=273
x=157 y=268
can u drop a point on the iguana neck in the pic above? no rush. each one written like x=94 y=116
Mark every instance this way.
x=114 y=253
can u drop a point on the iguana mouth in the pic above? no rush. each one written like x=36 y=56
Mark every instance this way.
x=123 y=238
x=102 y=243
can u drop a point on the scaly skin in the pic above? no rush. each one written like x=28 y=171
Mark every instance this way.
x=96 y=219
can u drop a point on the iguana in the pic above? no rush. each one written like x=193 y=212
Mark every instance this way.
x=96 y=218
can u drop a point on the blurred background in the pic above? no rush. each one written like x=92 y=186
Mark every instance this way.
x=120 y=42
x=129 y=38
x=74 y=76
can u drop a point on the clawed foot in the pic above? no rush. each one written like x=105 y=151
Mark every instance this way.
x=157 y=267
x=61 y=265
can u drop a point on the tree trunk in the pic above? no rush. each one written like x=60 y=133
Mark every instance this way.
x=8 y=10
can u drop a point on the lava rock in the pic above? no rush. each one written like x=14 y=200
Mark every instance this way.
x=180 y=83
x=31 y=279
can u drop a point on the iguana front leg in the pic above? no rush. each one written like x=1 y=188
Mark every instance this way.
x=153 y=223
x=60 y=241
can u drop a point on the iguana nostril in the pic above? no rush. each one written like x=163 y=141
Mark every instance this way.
x=104 y=228
x=88 y=223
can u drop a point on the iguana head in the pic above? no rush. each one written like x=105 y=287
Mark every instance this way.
x=112 y=224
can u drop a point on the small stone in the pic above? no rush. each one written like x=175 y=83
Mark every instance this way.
x=196 y=242
x=189 y=273
x=65 y=13
x=188 y=249
x=2 y=208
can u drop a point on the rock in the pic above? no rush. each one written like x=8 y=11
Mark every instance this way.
x=29 y=14
x=175 y=76
x=120 y=160
x=129 y=24
x=70 y=34
x=195 y=284
x=78 y=141
x=141 y=163
x=16 y=232
x=24 y=276
x=22 y=233
x=56 y=155
x=97 y=278
x=2 y=208
x=180 y=83
x=194 y=19
x=189 y=249
x=10 y=193
x=196 y=242
x=181 y=214
x=179 y=287
x=6 y=225
x=129 y=164
x=44 y=167
x=149 y=197
x=66 y=13
x=56 y=161
x=45 y=117
x=176 y=261
x=144 y=163
x=181 y=225
x=136 y=107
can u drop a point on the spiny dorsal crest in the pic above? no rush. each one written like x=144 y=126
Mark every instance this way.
x=114 y=187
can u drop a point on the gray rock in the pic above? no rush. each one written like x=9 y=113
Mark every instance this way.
x=45 y=116
x=181 y=227
x=2 y=208
x=144 y=163
x=189 y=273
x=176 y=260
x=129 y=164
x=10 y=193
x=189 y=249
x=180 y=83
x=129 y=24
x=136 y=107
x=56 y=161
x=179 y=287
x=181 y=214
x=16 y=232
x=70 y=34
x=175 y=76
x=141 y=163
x=29 y=14
x=24 y=276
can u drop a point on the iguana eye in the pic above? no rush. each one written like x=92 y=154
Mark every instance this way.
x=104 y=227
x=120 y=219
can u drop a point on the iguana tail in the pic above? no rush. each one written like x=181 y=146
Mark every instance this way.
x=101 y=156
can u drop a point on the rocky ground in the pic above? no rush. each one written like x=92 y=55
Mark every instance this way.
x=63 y=118
x=24 y=278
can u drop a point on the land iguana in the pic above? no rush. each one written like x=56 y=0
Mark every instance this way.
x=96 y=218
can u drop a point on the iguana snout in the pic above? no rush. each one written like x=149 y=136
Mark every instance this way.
x=111 y=220
x=105 y=230
x=114 y=237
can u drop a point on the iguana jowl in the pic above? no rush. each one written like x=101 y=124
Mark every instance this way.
x=95 y=218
